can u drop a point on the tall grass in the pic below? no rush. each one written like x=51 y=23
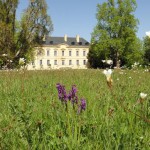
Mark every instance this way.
x=32 y=116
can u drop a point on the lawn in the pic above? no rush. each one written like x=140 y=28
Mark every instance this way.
x=33 y=117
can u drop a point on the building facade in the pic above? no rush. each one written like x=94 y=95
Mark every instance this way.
x=61 y=52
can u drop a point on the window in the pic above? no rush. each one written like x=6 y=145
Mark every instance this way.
x=69 y=53
x=77 y=62
x=80 y=43
x=40 y=62
x=47 y=52
x=63 y=62
x=77 y=53
x=63 y=53
x=84 y=53
x=70 y=62
x=51 y=42
x=72 y=43
x=33 y=63
x=87 y=43
x=55 y=62
x=48 y=62
x=84 y=62
x=55 y=53
x=39 y=53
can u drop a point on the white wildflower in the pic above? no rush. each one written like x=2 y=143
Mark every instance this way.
x=109 y=61
x=143 y=95
x=103 y=61
x=121 y=73
x=141 y=99
x=21 y=61
x=141 y=138
x=108 y=73
x=108 y=77
x=4 y=55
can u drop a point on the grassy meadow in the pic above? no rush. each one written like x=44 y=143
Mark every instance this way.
x=32 y=116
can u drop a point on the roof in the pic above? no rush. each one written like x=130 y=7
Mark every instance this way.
x=70 y=41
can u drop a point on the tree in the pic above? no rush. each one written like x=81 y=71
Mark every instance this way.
x=146 y=48
x=7 y=29
x=19 y=38
x=34 y=25
x=115 y=33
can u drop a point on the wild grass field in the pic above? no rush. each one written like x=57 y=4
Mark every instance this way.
x=33 y=117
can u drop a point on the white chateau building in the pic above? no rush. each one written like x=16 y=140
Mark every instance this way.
x=61 y=52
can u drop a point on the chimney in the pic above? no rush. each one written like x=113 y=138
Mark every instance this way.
x=77 y=38
x=65 y=37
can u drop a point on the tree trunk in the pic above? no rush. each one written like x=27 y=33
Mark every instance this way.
x=117 y=60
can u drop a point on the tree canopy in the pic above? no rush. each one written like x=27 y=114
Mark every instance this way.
x=114 y=36
x=19 y=37
x=146 y=47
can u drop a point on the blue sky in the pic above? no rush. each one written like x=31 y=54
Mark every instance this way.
x=74 y=17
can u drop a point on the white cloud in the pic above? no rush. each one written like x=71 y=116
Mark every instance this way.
x=148 y=33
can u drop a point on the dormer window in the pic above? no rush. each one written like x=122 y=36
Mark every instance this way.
x=72 y=43
x=87 y=43
x=80 y=43
x=51 y=42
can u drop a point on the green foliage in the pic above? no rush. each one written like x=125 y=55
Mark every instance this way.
x=147 y=50
x=7 y=29
x=96 y=53
x=115 y=32
x=32 y=116
x=34 y=25
x=135 y=54
x=19 y=38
